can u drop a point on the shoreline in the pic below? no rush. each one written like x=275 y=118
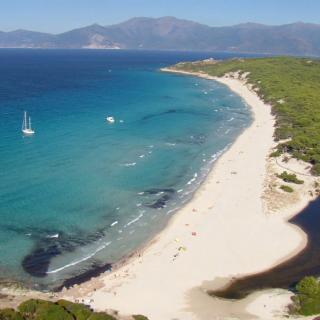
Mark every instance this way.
x=237 y=86
x=116 y=289
x=169 y=276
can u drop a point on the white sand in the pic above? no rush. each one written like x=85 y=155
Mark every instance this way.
x=234 y=236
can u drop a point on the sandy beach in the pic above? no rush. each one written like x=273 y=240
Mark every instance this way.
x=231 y=227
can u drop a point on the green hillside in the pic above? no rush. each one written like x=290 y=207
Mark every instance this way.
x=292 y=87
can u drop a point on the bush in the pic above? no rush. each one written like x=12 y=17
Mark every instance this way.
x=286 y=188
x=139 y=317
x=276 y=153
x=10 y=314
x=101 y=316
x=307 y=299
x=36 y=309
x=80 y=311
x=43 y=310
x=308 y=286
x=289 y=177
x=29 y=307
x=53 y=312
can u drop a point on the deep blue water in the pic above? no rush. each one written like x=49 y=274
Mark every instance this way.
x=82 y=192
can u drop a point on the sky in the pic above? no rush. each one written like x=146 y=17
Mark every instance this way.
x=57 y=16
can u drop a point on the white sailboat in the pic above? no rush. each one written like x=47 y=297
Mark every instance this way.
x=26 y=125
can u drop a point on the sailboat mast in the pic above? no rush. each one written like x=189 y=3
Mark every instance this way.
x=24 y=123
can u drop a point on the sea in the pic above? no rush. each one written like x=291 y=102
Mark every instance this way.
x=82 y=194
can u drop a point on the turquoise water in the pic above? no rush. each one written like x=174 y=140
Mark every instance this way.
x=81 y=192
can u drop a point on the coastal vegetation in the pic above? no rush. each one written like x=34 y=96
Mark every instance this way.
x=292 y=86
x=36 y=309
x=286 y=188
x=139 y=317
x=289 y=177
x=307 y=299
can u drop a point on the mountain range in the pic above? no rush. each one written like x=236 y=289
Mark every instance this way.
x=169 y=33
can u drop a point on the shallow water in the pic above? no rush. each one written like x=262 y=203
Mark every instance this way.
x=81 y=192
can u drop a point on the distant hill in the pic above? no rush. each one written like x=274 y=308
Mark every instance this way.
x=169 y=33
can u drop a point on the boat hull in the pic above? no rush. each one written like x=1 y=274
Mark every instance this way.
x=28 y=132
